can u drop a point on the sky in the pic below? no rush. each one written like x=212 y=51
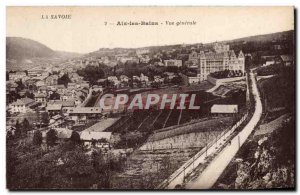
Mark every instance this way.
x=91 y=28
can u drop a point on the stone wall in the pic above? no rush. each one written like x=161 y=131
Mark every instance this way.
x=190 y=140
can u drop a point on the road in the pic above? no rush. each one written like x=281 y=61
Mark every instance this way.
x=87 y=99
x=216 y=167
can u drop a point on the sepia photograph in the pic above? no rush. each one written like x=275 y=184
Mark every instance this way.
x=150 y=98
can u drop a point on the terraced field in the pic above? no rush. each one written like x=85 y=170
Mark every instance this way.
x=173 y=119
x=147 y=124
x=149 y=120
x=146 y=169
x=159 y=123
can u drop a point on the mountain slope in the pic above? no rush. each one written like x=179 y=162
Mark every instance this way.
x=18 y=48
x=285 y=35
x=247 y=44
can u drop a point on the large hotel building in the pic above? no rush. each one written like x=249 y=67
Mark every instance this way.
x=222 y=58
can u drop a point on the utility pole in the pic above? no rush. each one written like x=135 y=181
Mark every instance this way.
x=183 y=174
x=216 y=141
x=193 y=161
x=206 y=150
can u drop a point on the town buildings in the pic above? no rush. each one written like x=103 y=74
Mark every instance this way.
x=22 y=105
x=81 y=114
x=142 y=51
x=51 y=80
x=35 y=72
x=97 y=139
x=15 y=76
x=41 y=98
x=287 y=60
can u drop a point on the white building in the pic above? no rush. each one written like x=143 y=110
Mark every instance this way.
x=14 y=76
x=142 y=51
x=21 y=105
x=35 y=72
x=81 y=114
x=144 y=78
x=222 y=58
x=41 y=98
x=177 y=63
x=124 y=78
x=224 y=109
x=100 y=139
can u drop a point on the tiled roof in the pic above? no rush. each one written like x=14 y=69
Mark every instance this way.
x=102 y=125
x=23 y=101
x=219 y=108
x=40 y=95
x=84 y=110
x=287 y=58
x=54 y=107
x=220 y=55
x=68 y=103
x=60 y=87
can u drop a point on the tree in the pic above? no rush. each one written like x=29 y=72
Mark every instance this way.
x=176 y=80
x=29 y=95
x=45 y=118
x=12 y=96
x=94 y=142
x=51 y=137
x=64 y=80
x=54 y=96
x=98 y=162
x=9 y=135
x=103 y=140
x=28 y=168
x=18 y=130
x=26 y=126
x=78 y=168
x=20 y=86
x=37 y=138
x=172 y=69
x=11 y=163
x=92 y=73
x=75 y=138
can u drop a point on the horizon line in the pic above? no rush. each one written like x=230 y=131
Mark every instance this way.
x=111 y=48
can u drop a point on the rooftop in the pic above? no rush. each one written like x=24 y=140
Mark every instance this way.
x=287 y=58
x=102 y=125
x=40 y=95
x=84 y=110
x=54 y=107
x=93 y=135
x=221 y=108
x=23 y=101
x=63 y=103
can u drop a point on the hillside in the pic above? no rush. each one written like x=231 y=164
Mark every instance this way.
x=279 y=36
x=265 y=44
x=18 y=48
x=66 y=54
x=22 y=49
x=249 y=44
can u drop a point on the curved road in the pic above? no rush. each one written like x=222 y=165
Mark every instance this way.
x=216 y=167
